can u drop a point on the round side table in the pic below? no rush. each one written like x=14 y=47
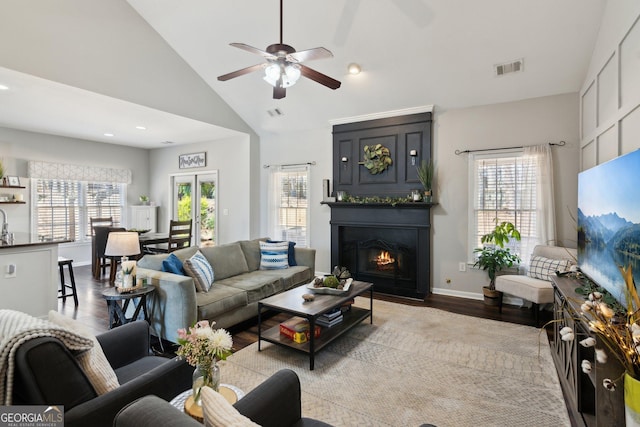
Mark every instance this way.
x=117 y=304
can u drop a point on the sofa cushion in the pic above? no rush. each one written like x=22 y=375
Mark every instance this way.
x=199 y=268
x=274 y=256
x=291 y=277
x=255 y=284
x=219 y=300
x=226 y=260
x=251 y=250
x=152 y=262
x=172 y=264
x=544 y=268
x=291 y=253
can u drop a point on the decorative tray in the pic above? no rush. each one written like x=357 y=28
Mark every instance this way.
x=331 y=291
x=122 y=290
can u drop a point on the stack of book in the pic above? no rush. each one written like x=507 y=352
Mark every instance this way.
x=331 y=318
x=297 y=329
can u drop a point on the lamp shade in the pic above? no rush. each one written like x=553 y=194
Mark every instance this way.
x=122 y=243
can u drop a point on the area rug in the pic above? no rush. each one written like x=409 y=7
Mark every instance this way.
x=418 y=365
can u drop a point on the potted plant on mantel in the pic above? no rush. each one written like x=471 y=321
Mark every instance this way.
x=426 y=171
x=493 y=257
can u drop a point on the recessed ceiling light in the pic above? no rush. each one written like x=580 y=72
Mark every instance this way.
x=167 y=142
x=4 y=87
x=141 y=128
x=108 y=134
x=354 y=68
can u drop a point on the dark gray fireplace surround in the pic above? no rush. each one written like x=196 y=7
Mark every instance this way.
x=386 y=244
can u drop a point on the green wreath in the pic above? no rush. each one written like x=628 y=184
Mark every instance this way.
x=377 y=158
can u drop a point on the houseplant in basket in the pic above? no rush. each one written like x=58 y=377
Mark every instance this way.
x=493 y=257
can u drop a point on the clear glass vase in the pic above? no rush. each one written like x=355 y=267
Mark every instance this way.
x=205 y=375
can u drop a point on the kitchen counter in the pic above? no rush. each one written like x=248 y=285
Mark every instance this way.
x=29 y=278
x=28 y=239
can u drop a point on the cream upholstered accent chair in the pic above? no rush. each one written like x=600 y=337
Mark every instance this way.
x=535 y=285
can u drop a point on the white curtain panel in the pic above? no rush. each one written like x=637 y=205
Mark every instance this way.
x=540 y=159
x=274 y=195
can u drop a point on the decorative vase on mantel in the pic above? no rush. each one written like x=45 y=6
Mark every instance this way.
x=205 y=375
x=631 y=401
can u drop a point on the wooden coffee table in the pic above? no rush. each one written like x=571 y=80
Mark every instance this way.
x=291 y=302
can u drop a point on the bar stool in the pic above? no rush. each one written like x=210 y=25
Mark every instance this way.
x=63 y=285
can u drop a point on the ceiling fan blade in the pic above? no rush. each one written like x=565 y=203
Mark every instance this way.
x=252 y=49
x=310 y=54
x=316 y=76
x=279 y=92
x=241 y=72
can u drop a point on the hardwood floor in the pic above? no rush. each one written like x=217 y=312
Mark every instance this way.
x=92 y=308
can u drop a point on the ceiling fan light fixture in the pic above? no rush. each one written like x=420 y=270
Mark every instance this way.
x=289 y=75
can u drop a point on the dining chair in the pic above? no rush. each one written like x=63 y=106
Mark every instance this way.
x=101 y=237
x=98 y=264
x=179 y=237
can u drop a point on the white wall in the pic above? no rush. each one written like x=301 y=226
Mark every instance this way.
x=231 y=158
x=534 y=121
x=610 y=94
x=529 y=122
x=18 y=147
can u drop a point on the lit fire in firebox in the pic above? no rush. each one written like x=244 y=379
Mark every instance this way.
x=384 y=259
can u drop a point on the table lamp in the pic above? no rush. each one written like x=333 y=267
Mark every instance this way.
x=123 y=244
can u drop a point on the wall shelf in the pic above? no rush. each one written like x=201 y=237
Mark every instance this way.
x=11 y=202
x=12 y=186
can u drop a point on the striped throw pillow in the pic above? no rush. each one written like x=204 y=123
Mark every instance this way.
x=200 y=270
x=545 y=268
x=274 y=256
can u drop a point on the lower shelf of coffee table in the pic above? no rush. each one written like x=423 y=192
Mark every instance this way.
x=350 y=319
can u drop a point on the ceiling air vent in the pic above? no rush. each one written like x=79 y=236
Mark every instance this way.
x=509 y=67
x=276 y=112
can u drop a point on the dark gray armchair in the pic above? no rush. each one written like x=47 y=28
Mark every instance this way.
x=274 y=403
x=46 y=373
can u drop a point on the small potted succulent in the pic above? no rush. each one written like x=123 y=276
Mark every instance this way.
x=144 y=200
x=493 y=257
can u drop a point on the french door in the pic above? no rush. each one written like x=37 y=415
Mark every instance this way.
x=194 y=198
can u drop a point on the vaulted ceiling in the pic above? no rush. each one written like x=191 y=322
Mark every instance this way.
x=412 y=53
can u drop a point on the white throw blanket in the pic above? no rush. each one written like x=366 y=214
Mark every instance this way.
x=15 y=329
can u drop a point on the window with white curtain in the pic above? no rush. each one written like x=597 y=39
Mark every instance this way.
x=504 y=188
x=289 y=204
x=63 y=207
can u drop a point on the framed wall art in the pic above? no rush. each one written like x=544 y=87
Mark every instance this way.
x=192 y=160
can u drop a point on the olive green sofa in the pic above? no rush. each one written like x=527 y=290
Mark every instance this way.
x=238 y=286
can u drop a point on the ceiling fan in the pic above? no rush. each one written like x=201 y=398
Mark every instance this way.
x=283 y=67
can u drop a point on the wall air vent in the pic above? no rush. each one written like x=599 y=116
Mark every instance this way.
x=509 y=67
x=276 y=112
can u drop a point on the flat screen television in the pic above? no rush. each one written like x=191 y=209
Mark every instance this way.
x=609 y=222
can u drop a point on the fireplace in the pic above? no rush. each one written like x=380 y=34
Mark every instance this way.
x=383 y=244
x=387 y=244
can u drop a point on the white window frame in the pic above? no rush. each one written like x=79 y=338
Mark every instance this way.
x=275 y=206
x=473 y=233
x=83 y=223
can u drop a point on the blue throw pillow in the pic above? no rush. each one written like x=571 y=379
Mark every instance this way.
x=291 y=255
x=172 y=264
x=273 y=256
